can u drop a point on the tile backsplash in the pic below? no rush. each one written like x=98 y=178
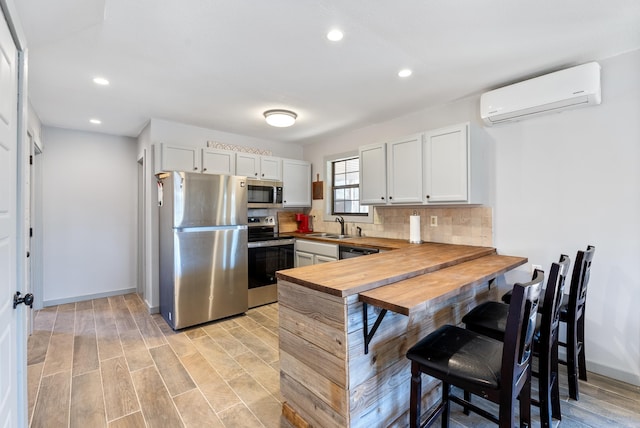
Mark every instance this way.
x=455 y=225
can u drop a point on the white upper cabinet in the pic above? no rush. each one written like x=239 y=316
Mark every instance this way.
x=404 y=170
x=391 y=173
x=195 y=159
x=455 y=166
x=296 y=182
x=215 y=161
x=178 y=158
x=373 y=174
x=248 y=164
x=444 y=166
x=259 y=167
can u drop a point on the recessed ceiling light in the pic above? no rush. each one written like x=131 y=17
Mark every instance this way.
x=95 y=121
x=335 y=35
x=405 y=72
x=100 y=81
x=280 y=118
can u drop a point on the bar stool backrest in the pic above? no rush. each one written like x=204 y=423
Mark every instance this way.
x=521 y=316
x=553 y=299
x=580 y=281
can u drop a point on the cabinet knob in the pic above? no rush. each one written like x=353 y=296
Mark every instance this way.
x=382 y=197
x=204 y=169
x=195 y=168
x=428 y=196
x=263 y=174
x=390 y=197
x=256 y=174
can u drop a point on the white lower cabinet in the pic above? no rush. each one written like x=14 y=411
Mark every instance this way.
x=314 y=252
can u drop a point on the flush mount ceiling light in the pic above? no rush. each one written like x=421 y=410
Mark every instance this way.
x=404 y=72
x=100 y=81
x=335 y=35
x=95 y=121
x=280 y=118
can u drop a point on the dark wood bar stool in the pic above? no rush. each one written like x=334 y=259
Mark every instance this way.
x=572 y=313
x=494 y=370
x=490 y=318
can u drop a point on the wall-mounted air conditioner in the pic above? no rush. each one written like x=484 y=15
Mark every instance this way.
x=570 y=88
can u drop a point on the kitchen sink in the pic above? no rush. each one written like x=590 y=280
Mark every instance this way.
x=330 y=235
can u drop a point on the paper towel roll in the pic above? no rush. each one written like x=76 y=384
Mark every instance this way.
x=414 y=229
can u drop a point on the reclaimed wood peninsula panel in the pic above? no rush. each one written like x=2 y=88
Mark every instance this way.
x=326 y=379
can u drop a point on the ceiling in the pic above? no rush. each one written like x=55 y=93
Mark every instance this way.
x=220 y=64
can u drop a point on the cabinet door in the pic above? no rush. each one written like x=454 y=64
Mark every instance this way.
x=248 y=164
x=446 y=167
x=179 y=158
x=270 y=168
x=373 y=174
x=404 y=170
x=324 y=259
x=303 y=259
x=296 y=182
x=218 y=162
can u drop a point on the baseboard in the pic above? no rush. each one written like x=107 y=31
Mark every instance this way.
x=75 y=299
x=614 y=373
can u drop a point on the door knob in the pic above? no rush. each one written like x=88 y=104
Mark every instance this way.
x=27 y=299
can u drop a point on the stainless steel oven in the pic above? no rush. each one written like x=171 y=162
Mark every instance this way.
x=269 y=252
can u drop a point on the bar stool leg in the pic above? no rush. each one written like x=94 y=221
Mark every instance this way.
x=582 y=366
x=572 y=360
x=525 y=406
x=544 y=378
x=416 y=395
x=446 y=388
x=555 y=389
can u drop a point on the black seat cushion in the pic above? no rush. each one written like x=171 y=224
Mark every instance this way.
x=455 y=354
x=490 y=319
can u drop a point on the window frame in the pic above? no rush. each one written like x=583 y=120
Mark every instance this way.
x=328 y=191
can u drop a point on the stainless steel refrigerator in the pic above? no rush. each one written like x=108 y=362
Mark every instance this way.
x=203 y=247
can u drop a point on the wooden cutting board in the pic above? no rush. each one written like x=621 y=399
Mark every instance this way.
x=318 y=188
x=287 y=222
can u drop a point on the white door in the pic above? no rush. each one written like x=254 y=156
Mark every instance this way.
x=11 y=357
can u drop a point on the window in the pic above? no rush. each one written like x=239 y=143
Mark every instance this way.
x=345 y=189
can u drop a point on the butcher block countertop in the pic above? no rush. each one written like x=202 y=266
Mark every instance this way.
x=360 y=274
x=407 y=296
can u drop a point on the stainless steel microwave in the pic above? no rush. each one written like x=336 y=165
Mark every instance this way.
x=264 y=194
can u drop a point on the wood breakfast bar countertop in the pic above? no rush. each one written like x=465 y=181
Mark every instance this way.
x=326 y=377
x=356 y=275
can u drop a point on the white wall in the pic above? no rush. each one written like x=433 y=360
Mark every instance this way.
x=568 y=180
x=89 y=212
x=562 y=182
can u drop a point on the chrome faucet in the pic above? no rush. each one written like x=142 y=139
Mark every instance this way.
x=340 y=220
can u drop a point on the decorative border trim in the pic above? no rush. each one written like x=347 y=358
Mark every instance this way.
x=236 y=148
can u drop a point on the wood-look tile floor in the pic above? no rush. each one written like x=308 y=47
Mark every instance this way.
x=108 y=363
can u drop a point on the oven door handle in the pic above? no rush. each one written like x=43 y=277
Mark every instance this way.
x=274 y=243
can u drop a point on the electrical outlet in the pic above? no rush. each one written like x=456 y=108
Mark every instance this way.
x=534 y=267
x=434 y=221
